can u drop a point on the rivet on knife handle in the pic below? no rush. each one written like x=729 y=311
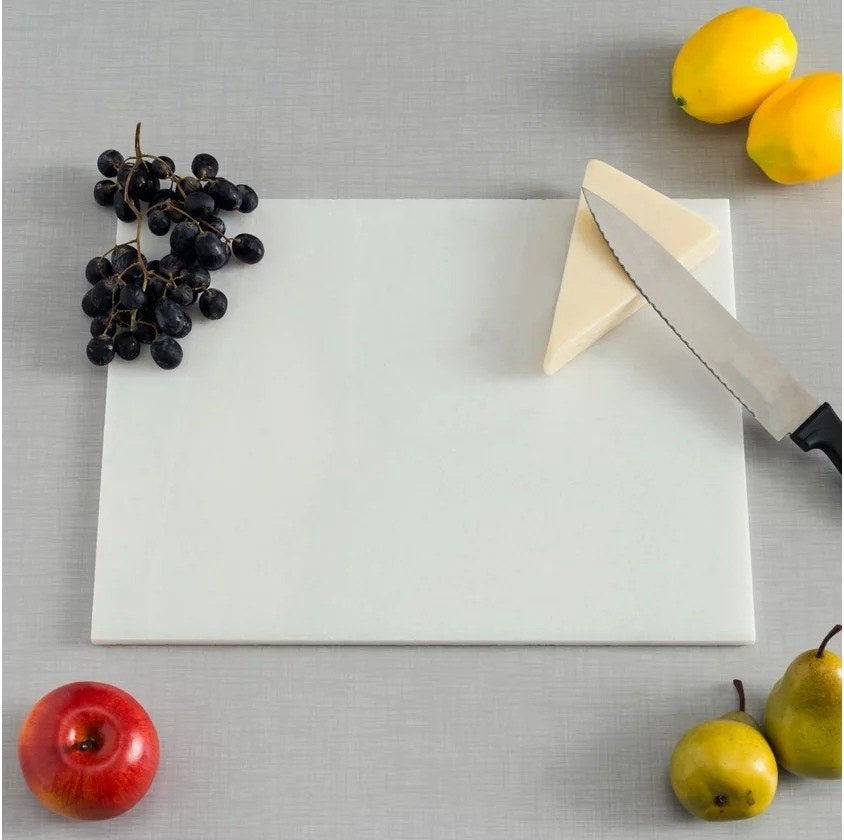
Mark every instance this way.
x=821 y=431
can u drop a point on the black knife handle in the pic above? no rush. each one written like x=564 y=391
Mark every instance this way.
x=821 y=431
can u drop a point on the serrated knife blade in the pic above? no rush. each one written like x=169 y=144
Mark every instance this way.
x=743 y=366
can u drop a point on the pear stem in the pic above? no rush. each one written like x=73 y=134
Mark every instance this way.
x=836 y=629
x=740 y=690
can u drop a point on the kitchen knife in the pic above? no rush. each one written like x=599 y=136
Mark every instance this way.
x=757 y=380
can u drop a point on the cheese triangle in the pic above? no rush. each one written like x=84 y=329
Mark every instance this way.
x=595 y=293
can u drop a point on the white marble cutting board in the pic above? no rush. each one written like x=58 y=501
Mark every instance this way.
x=365 y=449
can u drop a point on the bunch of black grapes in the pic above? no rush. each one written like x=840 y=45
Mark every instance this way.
x=134 y=301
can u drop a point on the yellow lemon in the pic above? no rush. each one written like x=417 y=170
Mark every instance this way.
x=728 y=67
x=795 y=134
x=724 y=770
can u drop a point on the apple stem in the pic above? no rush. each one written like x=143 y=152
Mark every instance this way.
x=87 y=744
x=740 y=689
x=836 y=629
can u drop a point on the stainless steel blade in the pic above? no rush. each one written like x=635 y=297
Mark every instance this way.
x=742 y=365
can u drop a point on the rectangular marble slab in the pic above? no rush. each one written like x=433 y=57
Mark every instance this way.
x=365 y=449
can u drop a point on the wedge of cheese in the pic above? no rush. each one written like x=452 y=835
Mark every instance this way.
x=595 y=294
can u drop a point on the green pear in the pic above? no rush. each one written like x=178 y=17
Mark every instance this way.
x=803 y=714
x=723 y=769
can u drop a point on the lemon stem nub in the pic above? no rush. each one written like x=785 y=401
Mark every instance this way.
x=826 y=638
x=740 y=689
x=680 y=101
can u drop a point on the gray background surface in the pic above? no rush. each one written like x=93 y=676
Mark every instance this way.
x=380 y=99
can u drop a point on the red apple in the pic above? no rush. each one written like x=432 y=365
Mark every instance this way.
x=88 y=750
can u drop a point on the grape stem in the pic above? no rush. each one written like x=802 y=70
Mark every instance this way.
x=119 y=245
x=170 y=206
x=176 y=181
x=139 y=215
x=138 y=212
x=161 y=160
